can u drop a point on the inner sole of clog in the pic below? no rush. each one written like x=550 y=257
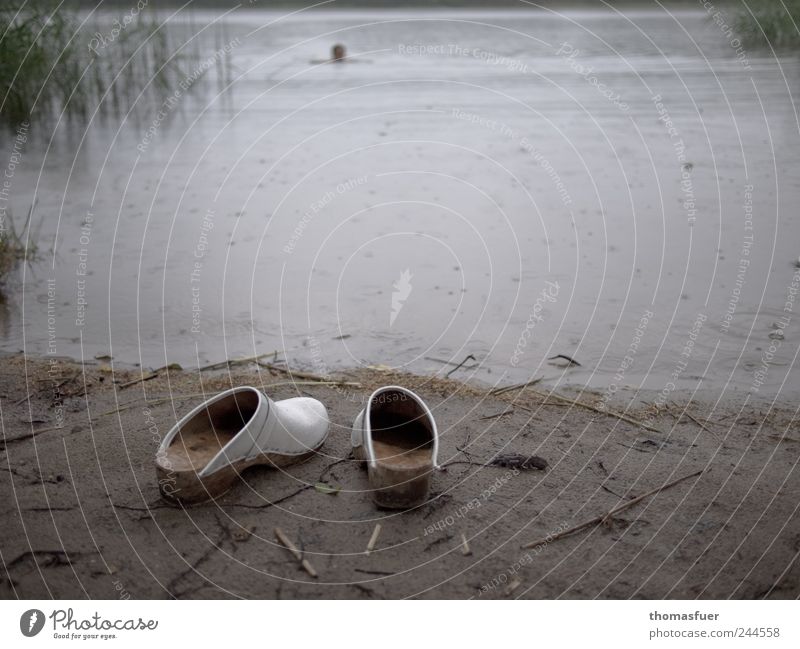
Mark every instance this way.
x=205 y=434
x=401 y=432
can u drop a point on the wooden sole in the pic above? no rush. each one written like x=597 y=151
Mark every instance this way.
x=184 y=485
x=401 y=478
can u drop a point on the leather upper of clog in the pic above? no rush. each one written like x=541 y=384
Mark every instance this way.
x=288 y=427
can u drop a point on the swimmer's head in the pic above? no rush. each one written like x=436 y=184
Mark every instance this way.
x=338 y=52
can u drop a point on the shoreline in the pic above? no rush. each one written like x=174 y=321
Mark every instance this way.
x=622 y=397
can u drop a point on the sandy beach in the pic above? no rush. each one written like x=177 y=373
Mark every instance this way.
x=82 y=516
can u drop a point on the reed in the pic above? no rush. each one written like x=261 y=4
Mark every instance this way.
x=16 y=246
x=772 y=22
x=33 y=44
x=50 y=63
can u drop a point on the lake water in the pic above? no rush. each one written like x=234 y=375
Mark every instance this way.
x=621 y=188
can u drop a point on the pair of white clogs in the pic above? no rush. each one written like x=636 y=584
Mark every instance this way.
x=206 y=451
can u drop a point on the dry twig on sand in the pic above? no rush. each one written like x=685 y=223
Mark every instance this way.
x=686 y=412
x=234 y=362
x=141 y=379
x=604 y=518
x=373 y=539
x=30 y=435
x=511 y=388
x=154 y=402
x=308 y=376
x=602 y=411
x=508 y=411
x=568 y=402
x=287 y=543
x=57 y=386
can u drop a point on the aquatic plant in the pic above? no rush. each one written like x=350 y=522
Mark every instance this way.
x=16 y=247
x=50 y=61
x=773 y=22
x=33 y=44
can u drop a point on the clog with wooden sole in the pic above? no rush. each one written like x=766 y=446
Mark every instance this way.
x=396 y=437
x=204 y=454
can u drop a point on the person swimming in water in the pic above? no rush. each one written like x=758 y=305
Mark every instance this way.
x=338 y=53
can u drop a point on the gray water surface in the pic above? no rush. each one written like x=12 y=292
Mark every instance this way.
x=513 y=184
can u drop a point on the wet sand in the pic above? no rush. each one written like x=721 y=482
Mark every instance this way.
x=82 y=516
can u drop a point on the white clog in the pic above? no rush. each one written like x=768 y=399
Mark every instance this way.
x=396 y=436
x=204 y=453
